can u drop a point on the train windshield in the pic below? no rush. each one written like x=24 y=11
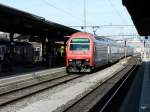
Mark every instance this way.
x=80 y=44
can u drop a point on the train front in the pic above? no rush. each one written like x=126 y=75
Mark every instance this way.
x=79 y=53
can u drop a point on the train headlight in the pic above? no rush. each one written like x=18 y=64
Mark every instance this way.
x=87 y=60
x=70 y=59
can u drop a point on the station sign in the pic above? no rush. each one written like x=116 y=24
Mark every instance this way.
x=80 y=40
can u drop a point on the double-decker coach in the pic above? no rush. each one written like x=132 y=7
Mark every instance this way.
x=85 y=51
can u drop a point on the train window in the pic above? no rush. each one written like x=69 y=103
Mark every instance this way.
x=80 y=40
x=79 y=46
x=99 y=38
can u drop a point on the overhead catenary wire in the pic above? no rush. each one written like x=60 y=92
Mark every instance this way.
x=61 y=10
x=48 y=3
x=113 y=25
x=96 y=27
x=116 y=11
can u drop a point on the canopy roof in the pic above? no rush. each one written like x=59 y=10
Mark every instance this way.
x=16 y=21
x=139 y=11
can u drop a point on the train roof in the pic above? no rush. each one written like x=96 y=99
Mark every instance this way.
x=104 y=37
x=84 y=34
x=94 y=37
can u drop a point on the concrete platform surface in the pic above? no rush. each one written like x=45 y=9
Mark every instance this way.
x=145 y=95
x=17 y=82
x=62 y=99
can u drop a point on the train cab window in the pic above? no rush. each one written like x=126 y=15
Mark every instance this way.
x=80 y=44
x=79 y=47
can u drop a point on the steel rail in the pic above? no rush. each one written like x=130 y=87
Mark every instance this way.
x=23 y=92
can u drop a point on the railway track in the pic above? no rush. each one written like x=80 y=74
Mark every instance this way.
x=11 y=96
x=78 y=106
x=107 y=106
x=17 y=91
x=99 y=99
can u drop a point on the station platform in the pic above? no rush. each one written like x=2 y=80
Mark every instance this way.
x=138 y=96
x=145 y=93
x=9 y=84
x=24 y=69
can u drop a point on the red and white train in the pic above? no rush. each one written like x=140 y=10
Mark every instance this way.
x=84 y=52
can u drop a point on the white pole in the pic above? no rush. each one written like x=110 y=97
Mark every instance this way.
x=84 y=15
x=125 y=48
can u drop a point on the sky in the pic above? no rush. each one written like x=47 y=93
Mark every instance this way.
x=71 y=13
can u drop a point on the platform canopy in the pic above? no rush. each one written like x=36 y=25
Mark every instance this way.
x=16 y=21
x=140 y=14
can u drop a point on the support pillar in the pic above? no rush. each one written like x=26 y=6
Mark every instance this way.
x=11 y=35
x=51 y=56
x=43 y=49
